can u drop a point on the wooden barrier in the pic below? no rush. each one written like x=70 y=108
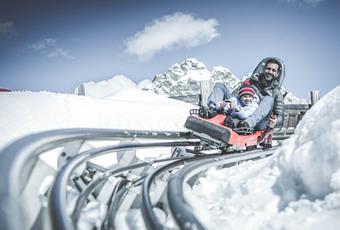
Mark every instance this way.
x=314 y=96
x=293 y=113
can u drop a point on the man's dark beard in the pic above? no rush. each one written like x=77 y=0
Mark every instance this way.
x=266 y=79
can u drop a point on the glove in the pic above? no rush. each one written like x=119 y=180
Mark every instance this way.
x=272 y=121
x=225 y=104
x=234 y=107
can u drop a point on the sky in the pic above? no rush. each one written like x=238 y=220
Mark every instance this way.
x=56 y=45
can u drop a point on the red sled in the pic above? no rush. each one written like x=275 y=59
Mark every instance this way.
x=213 y=130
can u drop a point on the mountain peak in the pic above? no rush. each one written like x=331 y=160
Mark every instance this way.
x=184 y=78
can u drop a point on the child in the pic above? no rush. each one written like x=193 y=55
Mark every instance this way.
x=241 y=107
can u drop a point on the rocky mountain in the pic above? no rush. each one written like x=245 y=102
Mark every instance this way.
x=184 y=79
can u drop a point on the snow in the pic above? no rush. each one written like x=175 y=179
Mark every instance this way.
x=312 y=158
x=144 y=83
x=297 y=188
x=24 y=113
x=104 y=88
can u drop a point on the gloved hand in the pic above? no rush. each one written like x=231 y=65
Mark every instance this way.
x=225 y=104
x=272 y=121
x=234 y=107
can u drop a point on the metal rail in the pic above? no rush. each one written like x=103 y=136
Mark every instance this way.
x=19 y=158
x=94 y=184
x=116 y=196
x=182 y=212
x=58 y=193
x=149 y=216
x=112 y=204
x=283 y=134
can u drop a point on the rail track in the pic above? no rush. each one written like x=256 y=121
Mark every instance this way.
x=78 y=192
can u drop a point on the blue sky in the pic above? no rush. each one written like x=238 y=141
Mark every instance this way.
x=56 y=45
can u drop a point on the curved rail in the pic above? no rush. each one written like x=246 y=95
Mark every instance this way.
x=117 y=194
x=149 y=216
x=19 y=158
x=58 y=192
x=177 y=203
x=100 y=180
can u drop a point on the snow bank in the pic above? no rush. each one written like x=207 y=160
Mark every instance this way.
x=23 y=113
x=105 y=88
x=298 y=188
x=236 y=198
x=310 y=161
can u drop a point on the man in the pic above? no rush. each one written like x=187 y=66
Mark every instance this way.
x=269 y=113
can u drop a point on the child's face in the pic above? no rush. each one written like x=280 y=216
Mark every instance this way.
x=247 y=99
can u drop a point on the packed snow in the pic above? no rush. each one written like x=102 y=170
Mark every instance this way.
x=297 y=188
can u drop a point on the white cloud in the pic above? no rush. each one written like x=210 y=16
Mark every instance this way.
x=313 y=3
x=48 y=47
x=6 y=28
x=61 y=53
x=177 y=30
x=45 y=43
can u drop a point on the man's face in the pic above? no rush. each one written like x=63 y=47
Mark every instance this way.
x=247 y=99
x=271 y=69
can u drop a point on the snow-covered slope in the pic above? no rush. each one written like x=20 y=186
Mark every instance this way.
x=298 y=188
x=23 y=113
